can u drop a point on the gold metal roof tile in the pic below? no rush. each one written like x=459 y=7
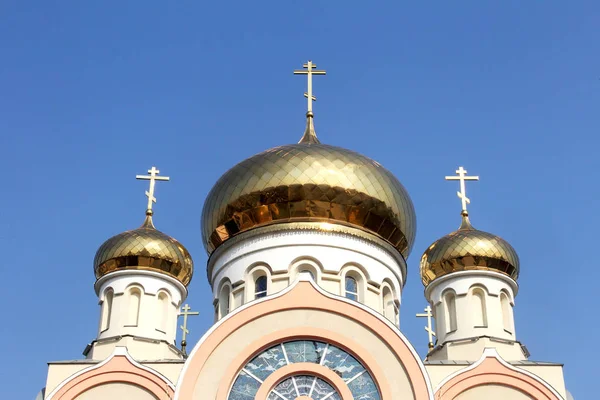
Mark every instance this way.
x=143 y=249
x=344 y=178
x=487 y=251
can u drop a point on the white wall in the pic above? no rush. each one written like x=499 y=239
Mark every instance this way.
x=483 y=306
x=329 y=256
x=138 y=303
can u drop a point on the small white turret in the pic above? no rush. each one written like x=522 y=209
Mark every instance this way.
x=142 y=277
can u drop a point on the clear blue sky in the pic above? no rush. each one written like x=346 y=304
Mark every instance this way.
x=93 y=93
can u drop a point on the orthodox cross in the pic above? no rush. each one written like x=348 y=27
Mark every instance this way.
x=429 y=328
x=153 y=177
x=462 y=177
x=185 y=312
x=309 y=72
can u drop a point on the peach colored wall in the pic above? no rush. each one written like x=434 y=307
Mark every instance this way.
x=118 y=369
x=493 y=392
x=216 y=360
x=117 y=390
x=492 y=372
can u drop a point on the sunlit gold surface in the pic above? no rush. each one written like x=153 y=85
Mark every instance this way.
x=309 y=182
x=468 y=249
x=144 y=248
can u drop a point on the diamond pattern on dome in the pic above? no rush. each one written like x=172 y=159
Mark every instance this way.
x=144 y=248
x=309 y=182
x=468 y=249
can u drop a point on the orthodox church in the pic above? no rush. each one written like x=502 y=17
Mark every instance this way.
x=307 y=247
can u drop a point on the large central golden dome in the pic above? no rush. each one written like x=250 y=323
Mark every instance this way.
x=309 y=181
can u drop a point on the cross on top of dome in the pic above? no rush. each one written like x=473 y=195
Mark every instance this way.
x=309 y=73
x=462 y=194
x=153 y=177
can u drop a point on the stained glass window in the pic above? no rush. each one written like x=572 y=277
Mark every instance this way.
x=351 y=288
x=260 y=287
x=304 y=385
x=346 y=366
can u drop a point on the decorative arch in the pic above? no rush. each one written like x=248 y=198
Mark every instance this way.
x=355 y=272
x=255 y=272
x=449 y=307
x=106 y=302
x=133 y=296
x=302 y=295
x=163 y=299
x=478 y=301
x=309 y=264
x=119 y=367
x=492 y=369
x=224 y=298
x=389 y=302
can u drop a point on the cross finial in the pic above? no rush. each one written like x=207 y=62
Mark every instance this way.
x=185 y=311
x=462 y=177
x=309 y=72
x=429 y=328
x=152 y=177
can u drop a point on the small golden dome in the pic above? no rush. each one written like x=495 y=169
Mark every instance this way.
x=144 y=248
x=309 y=181
x=468 y=249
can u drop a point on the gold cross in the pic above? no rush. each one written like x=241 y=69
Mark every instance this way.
x=150 y=193
x=429 y=328
x=309 y=72
x=462 y=177
x=185 y=312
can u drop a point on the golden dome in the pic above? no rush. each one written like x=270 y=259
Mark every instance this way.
x=144 y=248
x=468 y=249
x=309 y=181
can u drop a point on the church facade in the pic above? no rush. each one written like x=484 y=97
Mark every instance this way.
x=308 y=245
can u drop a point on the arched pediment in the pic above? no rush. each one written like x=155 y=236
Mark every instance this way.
x=491 y=375
x=303 y=312
x=121 y=370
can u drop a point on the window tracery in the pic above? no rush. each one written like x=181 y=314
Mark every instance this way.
x=349 y=369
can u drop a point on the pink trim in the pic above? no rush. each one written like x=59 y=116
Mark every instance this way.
x=307 y=333
x=492 y=371
x=305 y=297
x=117 y=369
x=308 y=369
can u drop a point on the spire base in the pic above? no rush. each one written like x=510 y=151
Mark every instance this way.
x=310 y=136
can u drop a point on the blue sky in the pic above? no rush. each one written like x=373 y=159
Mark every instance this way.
x=94 y=93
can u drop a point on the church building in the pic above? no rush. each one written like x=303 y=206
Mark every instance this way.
x=307 y=248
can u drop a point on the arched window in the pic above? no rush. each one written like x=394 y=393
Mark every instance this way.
x=351 y=288
x=388 y=304
x=304 y=385
x=224 y=301
x=163 y=312
x=478 y=308
x=106 y=310
x=450 y=311
x=260 y=287
x=506 y=312
x=133 y=307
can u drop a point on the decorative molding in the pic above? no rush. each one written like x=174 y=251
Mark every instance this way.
x=482 y=372
x=118 y=367
x=418 y=376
